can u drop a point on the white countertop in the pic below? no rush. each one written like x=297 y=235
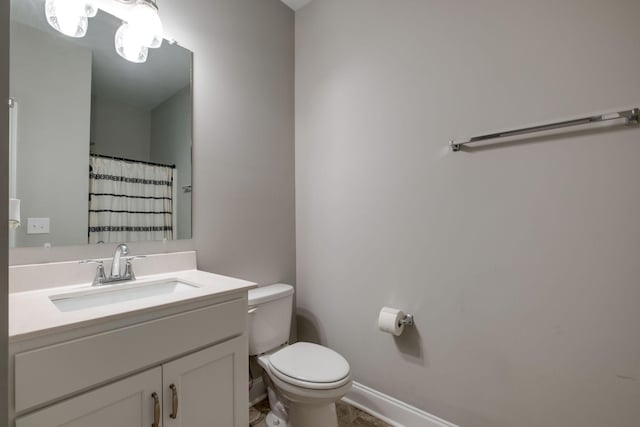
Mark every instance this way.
x=32 y=313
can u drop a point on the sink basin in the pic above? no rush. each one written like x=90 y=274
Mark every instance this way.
x=113 y=294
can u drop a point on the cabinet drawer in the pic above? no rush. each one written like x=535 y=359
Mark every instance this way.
x=124 y=403
x=60 y=370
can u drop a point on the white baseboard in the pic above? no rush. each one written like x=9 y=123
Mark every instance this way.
x=390 y=410
x=386 y=408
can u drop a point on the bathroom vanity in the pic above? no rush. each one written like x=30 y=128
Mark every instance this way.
x=169 y=349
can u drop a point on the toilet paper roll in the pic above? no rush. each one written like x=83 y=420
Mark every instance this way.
x=14 y=213
x=390 y=321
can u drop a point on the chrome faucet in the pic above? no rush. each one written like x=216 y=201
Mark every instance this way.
x=121 y=249
x=100 y=277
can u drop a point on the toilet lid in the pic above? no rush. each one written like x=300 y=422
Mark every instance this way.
x=310 y=362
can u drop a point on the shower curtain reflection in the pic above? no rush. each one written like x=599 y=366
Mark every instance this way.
x=130 y=201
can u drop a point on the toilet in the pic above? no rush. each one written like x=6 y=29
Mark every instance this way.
x=304 y=380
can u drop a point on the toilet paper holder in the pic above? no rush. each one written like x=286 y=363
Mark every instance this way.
x=393 y=321
x=407 y=320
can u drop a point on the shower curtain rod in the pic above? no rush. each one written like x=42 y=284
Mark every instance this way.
x=132 y=161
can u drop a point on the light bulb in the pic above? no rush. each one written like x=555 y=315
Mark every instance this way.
x=70 y=17
x=141 y=31
x=145 y=25
x=128 y=45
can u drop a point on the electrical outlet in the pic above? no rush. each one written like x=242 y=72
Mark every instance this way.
x=37 y=225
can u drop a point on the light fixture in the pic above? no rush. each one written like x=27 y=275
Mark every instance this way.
x=127 y=47
x=70 y=17
x=142 y=30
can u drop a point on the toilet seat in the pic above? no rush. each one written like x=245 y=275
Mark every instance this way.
x=310 y=366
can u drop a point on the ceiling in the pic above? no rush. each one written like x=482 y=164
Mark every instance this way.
x=296 y=4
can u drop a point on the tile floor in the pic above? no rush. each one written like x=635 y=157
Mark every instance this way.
x=348 y=416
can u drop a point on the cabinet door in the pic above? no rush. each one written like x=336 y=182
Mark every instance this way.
x=126 y=403
x=208 y=388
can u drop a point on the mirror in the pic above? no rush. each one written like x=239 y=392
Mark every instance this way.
x=101 y=146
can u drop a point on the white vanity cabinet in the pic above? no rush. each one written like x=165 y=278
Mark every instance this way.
x=201 y=389
x=192 y=356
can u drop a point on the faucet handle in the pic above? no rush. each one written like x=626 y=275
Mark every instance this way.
x=91 y=261
x=100 y=276
x=128 y=268
x=131 y=258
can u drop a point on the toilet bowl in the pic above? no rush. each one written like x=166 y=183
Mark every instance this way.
x=307 y=379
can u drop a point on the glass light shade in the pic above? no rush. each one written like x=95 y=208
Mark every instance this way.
x=128 y=45
x=145 y=24
x=67 y=16
x=90 y=8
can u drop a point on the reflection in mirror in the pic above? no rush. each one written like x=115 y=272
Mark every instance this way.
x=102 y=145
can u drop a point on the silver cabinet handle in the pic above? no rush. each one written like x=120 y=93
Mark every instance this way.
x=174 y=402
x=156 y=409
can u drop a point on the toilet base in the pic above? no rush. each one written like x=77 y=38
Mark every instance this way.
x=273 y=420
x=313 y=416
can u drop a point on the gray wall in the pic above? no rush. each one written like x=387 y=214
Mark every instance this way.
x=243 y=153
x=119 y=129
x=53 y=130
x=171 y=144
x=519 y=262
x=4 y=196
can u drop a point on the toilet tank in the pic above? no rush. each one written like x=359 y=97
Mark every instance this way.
x=269 y=317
